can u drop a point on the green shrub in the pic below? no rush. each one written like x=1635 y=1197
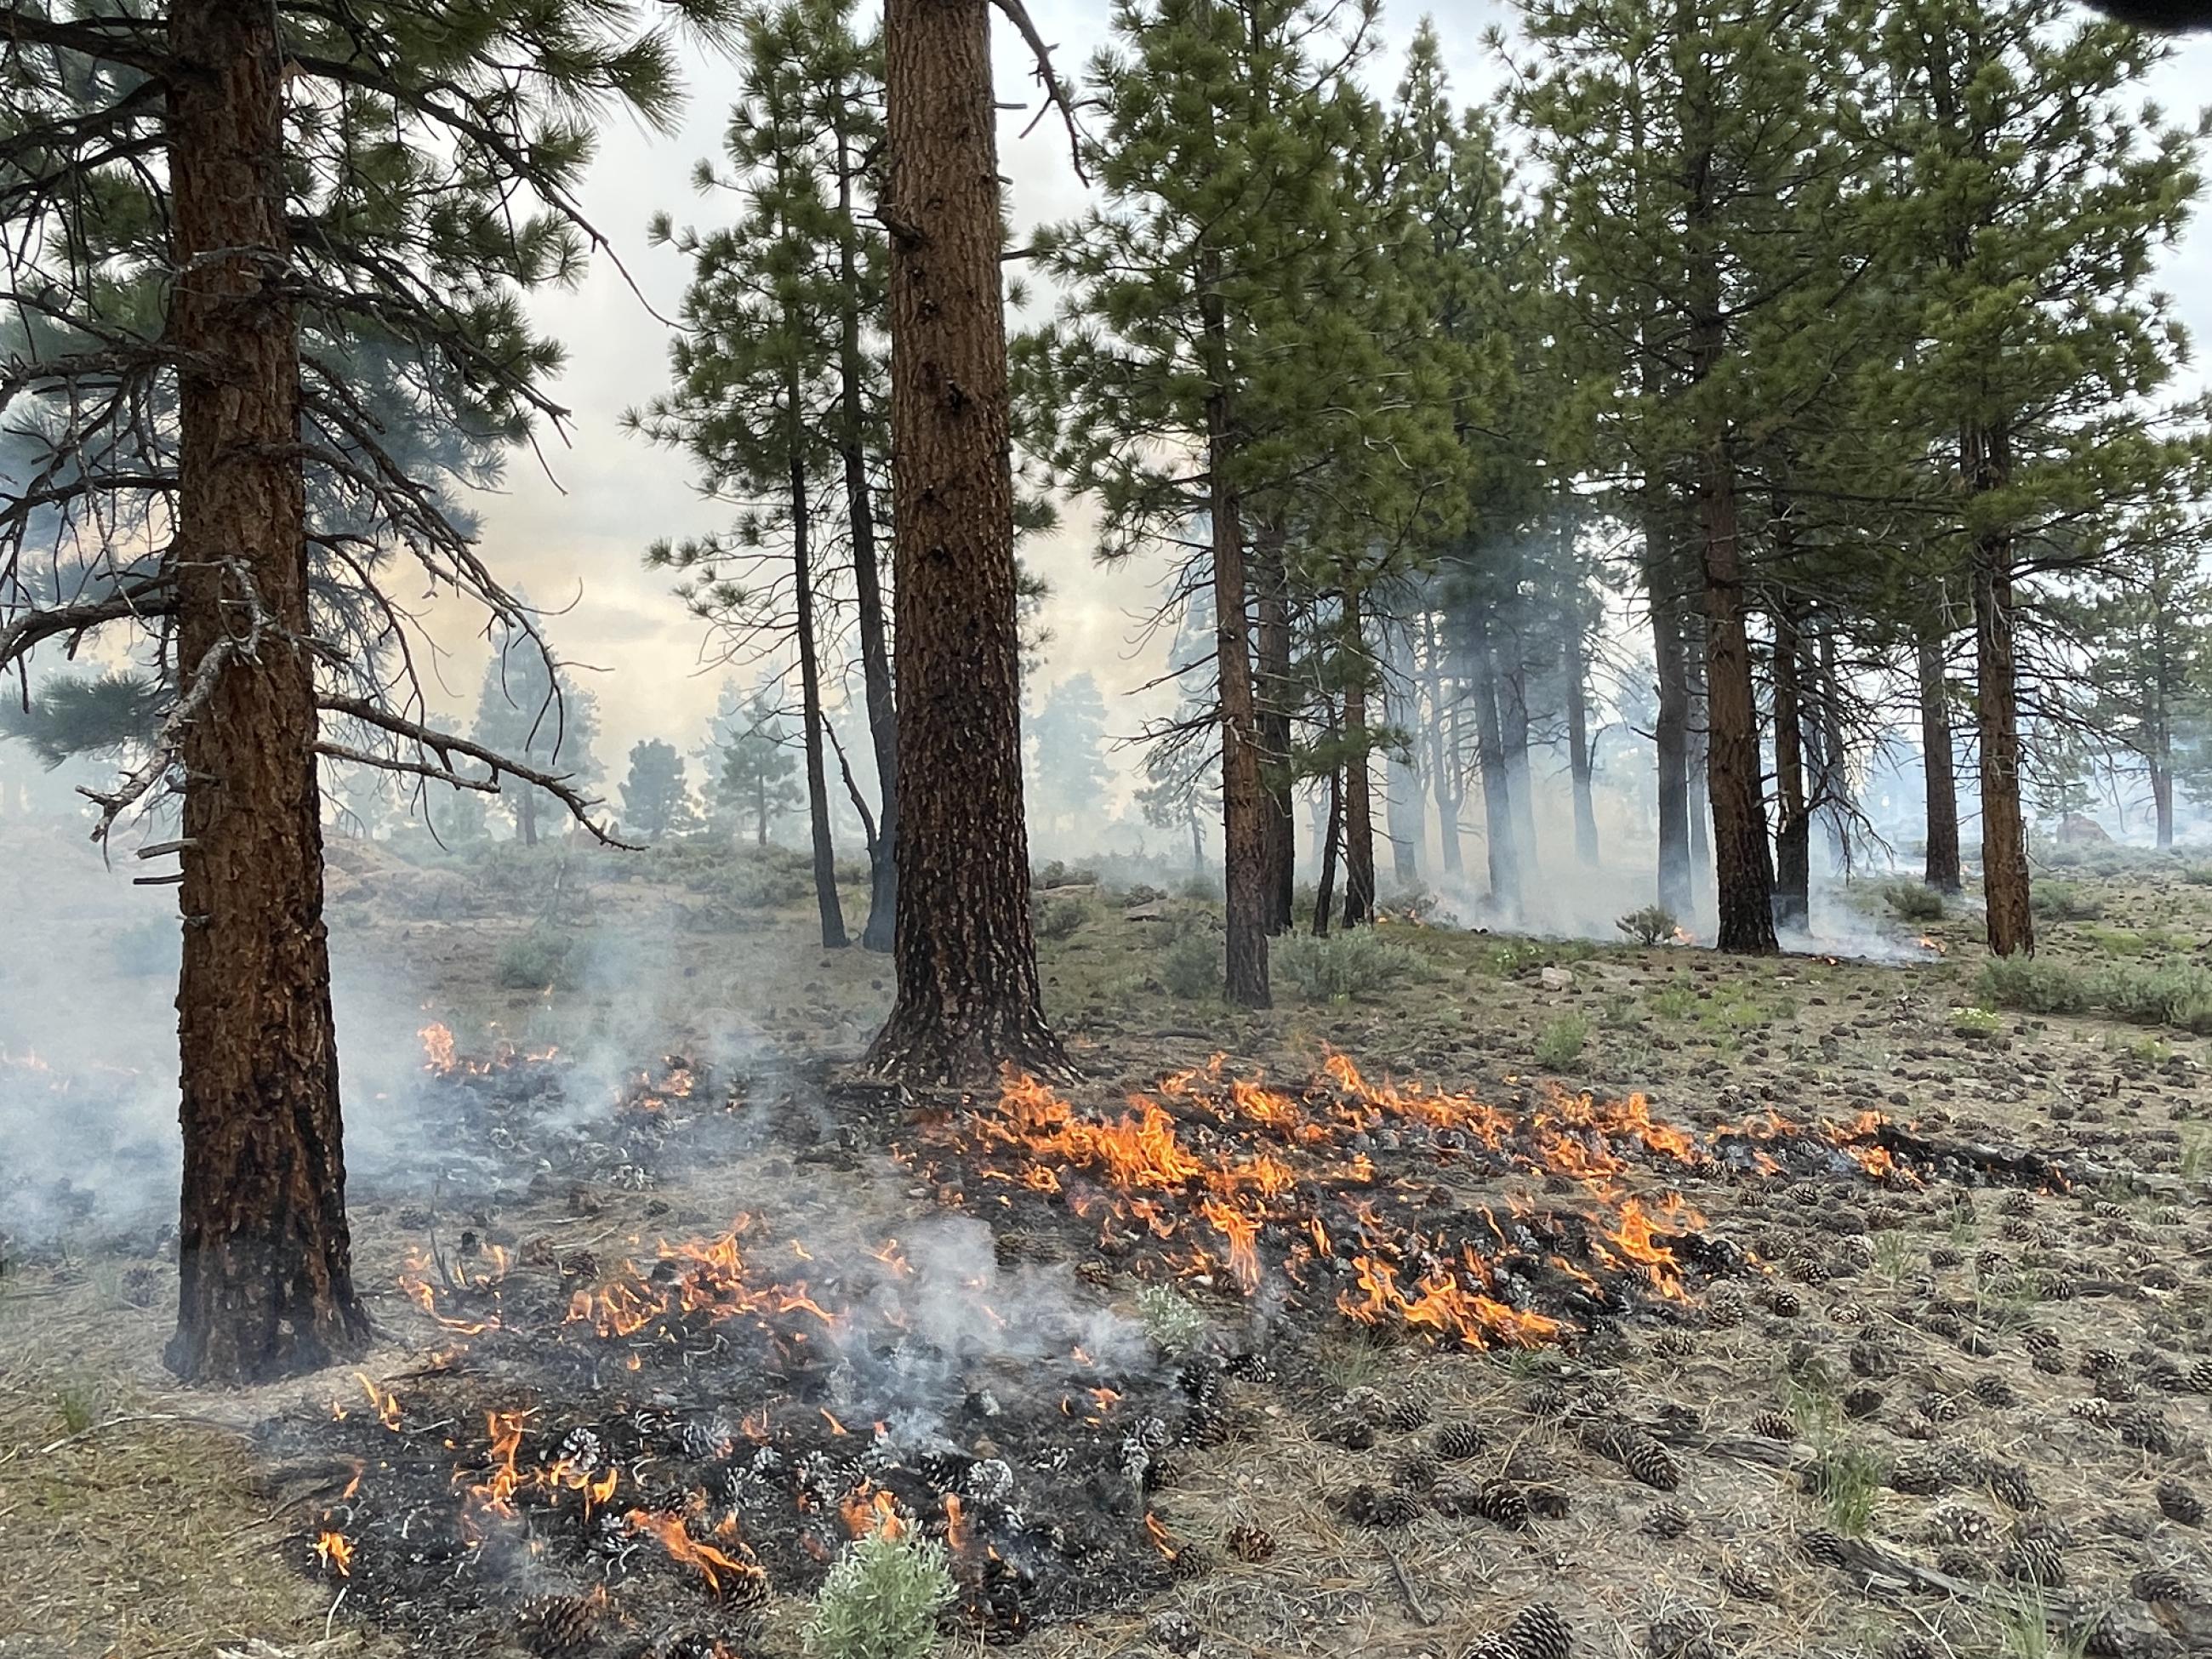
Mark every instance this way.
x=1977 y=1025
x=1171 y=1319
x=1561 y=1043
x=2179 y=994
x=2034 y=986
x=543 y=957
x=881 y=1600
x=1676 y=1002
x=1056 y=874
x=1652 y=925
x=1913 y=902
x=2198 y=875
x=1190 y=967
x=1060 y=918
x=1351 y=963
x=2064 y=900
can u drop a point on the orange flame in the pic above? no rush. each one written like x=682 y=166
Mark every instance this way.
x=335 y=1551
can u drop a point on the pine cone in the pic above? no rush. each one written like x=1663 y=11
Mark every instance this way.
x=2048 y=1361
x=1539 y=1632
x=2034 y=1560
x=1858 y=1251
x=1406 y=1414
x=1958 y=1562
x=1861 y=1403
x=1673 y=1345
x=581 y=1449
x=1351 y=1432
x=1959 y=1523
x=1783 y=1304
x=1748 y=1580
x=1504 y=1503
x=2146 y=1429
x=2160 y=1584
x=1807 y=1268
x=1460 y=1441
x=1993 y=1390
x=1174 y=1631
x=1391 y=1510
x=1942 y=1256
x=1667 y=1521
x=1413 y=1473
x=1678 y=1638
x=1649 y=1462
x=2100 y=1362
x=1823 y=1547
x=1190 y=1561
x=1773 y=1425
x=1251 y=1543
x=1494 y=1646
x=704 y=1440
x=744 y=1589
x=2177 y=1502
x=1871 y=1359
x=1918 y=1474
x=2199 y=1377
x=559 y=1626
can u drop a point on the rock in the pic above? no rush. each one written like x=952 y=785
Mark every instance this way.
x=1557 y=979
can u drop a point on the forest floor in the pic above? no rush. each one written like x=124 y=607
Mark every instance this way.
x=2021 y=1359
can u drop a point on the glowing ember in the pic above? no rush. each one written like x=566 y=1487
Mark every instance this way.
x=438 y=1048
x=335 y=1551
x=723 y=1572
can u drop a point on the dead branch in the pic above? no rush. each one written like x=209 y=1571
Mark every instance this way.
x=1055 y=94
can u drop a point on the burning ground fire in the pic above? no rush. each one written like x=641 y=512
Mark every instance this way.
x=712 y=1418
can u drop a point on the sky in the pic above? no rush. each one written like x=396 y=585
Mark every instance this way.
x=572 y=532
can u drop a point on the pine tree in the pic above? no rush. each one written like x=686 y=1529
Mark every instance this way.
x=1070 y=776
x=218 y=212
x=755 y=768
x=2027 y=204
x=656 y=797
x=969 y=1000
x=527 y=708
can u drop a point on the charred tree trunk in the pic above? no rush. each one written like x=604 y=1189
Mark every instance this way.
x=1272 y=693
x=1325 y=892
x=1671 y=731
x=881 y=930
x=1249 y=880
x=826 y=902
x=1939 y=767
x=526 y=815
x=2162 y=796
x=1986 y=460
x=1490 y=763
x=1444 y=756
x=1698 y=760
x=968 y=998
x=1579 y=763
x=1793 y=833
x=1401 y=789
x=1358 y=775
x=265 y=1257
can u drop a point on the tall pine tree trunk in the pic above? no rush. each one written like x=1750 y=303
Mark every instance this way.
x=1671 y=730
x=1793 y=834
x=1401 y=786
x=881 y=930
x=1579 y=763
x=1696 y=759
x=827 y=904
x=1271 y=689
x=1444 y=754
x=969 y=998
x=1249 y=881
x=1744 y=877
x=1358 y=775
x=1490 y=763
x=1939 y=768
x=263 y=1254
x=1325 y=889
x=1985 y=461
x=1520 y=777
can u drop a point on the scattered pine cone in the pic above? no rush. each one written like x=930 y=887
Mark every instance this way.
x=1380 y=1507
x=1677 y=1345
x=1678 y=1638
x=1174 y=1630
x=1503 y=1504
x=2178 y=1503
x=2100 y=1362
x=1783 y=1304
x=1861 y=1403
x=559 y=1626
x=1190 y=1561
x=1349 y=1430
x=2145 y=1428
x=1872 y=1359
x=1460 y=1441
x=1649 y=1462
x=1957 y=1561
x=1958 y=1523
x=1823 y=1547
x=1942 y=1256
x=2160 y=1584
x=1746 y=1579
x=1668 y=1520
x=2017 y=1201
x=1407 y=1413
x=1773 y=1425
x=1413 y=1473
x=2199 y=1377
x=1539 y=1632
x=1251 y=1543
x=1918 y=1474
x=1495 y=1645
x=2048 y=1361
x=2034 y=1560
x=1993 y=1390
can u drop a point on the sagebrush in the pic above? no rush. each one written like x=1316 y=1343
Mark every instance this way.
x=1355 y=962
x=881 y=1600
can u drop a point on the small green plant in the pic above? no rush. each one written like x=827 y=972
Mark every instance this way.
x=1894 y=1254
x=1651 y=925
x=881 y=1600
x=2195 y=1143
x=2033 y=985
x=1355 y=962
x=1676 y=1002
x=1062 y=918
x=1561 y=1043
x=1847 y=1479
x=1910 y=902
x=1976 y=1024
x=2025 y=1627
x=1056 y=874
x=77 y=1405
x=1620 y=1010
x=2198 y=875
x=1171 y=1319
x=1190 y=967
x=542 y=958
x=1346 y=1362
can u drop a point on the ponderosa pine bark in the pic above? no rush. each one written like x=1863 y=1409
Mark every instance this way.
x=829 y=908
x=1358 y=776
x=1272 y=691
x=881 y=930
x=1939 y=768
x=1743 y=876
x=1246 y=876
x=1513 y=681
x=1670 y=735
x=1793 y=831
x=1444 y=756
x=968 y=997
x=1325 y=887
x=264 y=1254
x=1579 y=763
x=1984 y=461
x=1490 y=763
